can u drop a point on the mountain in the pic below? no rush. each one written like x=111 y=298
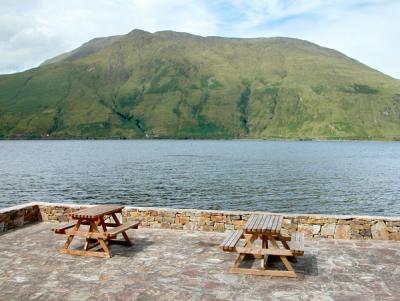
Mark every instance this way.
x=177 y=85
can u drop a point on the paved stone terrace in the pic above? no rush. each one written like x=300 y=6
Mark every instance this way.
x=183 y=265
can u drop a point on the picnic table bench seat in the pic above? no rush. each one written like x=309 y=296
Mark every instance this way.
x=121 y=228
x=112 y=233
x=296 y=244
x=61 y=230
x=231 y=240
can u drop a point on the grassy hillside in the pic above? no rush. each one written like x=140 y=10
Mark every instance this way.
x=170 y=84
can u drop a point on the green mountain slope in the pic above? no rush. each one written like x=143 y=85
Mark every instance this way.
x=170 y=84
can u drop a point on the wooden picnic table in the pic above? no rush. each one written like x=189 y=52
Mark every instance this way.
x=266 y=229
x=104 y=216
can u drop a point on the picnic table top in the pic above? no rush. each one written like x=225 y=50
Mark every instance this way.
x=96 y=211
x=263 y=223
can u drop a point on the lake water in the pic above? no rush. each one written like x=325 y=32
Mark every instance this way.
x=284 y=176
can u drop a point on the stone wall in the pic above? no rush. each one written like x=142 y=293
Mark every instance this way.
x=18 y=216
x=317 y=226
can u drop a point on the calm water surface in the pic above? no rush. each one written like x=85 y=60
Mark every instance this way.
x=309 y=177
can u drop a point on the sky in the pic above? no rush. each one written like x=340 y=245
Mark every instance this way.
x=32 y=31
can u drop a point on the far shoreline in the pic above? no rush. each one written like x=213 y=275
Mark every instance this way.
x=271 y=139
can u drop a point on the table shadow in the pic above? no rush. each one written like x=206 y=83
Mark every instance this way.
x=305 y=265
x=139 y=245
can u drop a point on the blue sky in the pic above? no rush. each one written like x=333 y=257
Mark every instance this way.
x=34 y=30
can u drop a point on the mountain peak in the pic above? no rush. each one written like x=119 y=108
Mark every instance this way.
x=138 y=32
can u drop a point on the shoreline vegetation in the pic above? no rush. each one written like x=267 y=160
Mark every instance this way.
x=324 y=139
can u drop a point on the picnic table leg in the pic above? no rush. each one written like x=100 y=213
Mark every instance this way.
x=101 y=241
x=264 y=245
x=286 y=245
x=87 y=241
x=128 y=241
x=238 y=260
x=285 y=261
x=71 y=237
x=250 y=238
x=103 y=225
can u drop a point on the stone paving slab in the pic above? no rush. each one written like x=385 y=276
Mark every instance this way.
x=183 y=265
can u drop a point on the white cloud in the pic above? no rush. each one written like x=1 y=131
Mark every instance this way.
x=34 y=30
x=367 y=30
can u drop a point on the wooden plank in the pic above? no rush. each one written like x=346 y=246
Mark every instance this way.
x=87 y=241
x=254 y=227
x=262 y=272
x=71 y=237
x=256 y=218
x=274 y=224
x=61 y=230
x=297 y=243
x=87 y=234
x=235 y=240
x=269 y=225
x=102 y=242
x=259 y=218
x=261 y=223
x=231 y=240
x=284 y=240
x=265 y=262
x=104 y=245
x=248 y=226
x=266 y=222
x=85 y=253
x=231 y=237
x=255 y=223
x=258 y=251
x=121 y=228
x=250 y=238
x=287 y=264
x=83 y=223
x=102 y=223
x=278 y=226
x=96 y=211
x=226 y=240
